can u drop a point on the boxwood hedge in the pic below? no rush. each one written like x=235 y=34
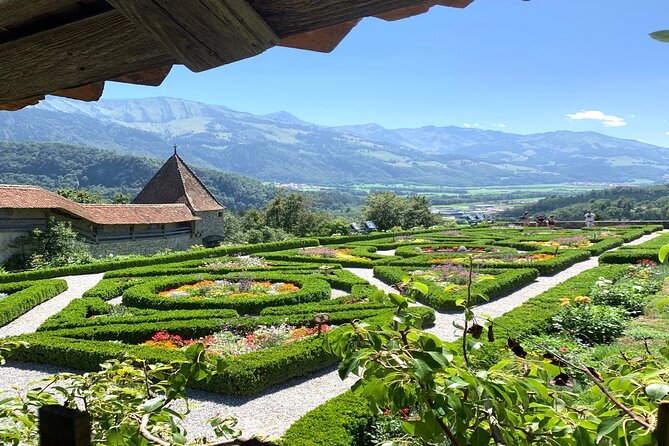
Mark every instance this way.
x=145 y=295
x=23 y=297
x=85 y=348
x=100 y=267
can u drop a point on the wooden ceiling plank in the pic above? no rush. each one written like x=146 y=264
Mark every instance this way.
x=291 y=17
x=90 y=92
x=13 y=12
x=324 y=40
x=81 y=53
x=152 y=77
x=202 y=34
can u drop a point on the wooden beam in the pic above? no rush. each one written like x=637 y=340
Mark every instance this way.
x=323 y=40
x=13 y=12
x=202 y=34
x=90 y=92
x=291 y=17
x=151 y=77
x=88 y=51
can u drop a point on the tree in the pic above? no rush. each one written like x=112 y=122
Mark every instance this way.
x=292 y=213
x=384 y=209
x=388 y=210
x=83 y=196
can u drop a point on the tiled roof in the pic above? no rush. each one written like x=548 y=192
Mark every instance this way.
x=138 y=214
x=176 y=183
x=33 y=197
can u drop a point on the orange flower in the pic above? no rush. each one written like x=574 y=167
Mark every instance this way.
x=582 y=299
x=564 y=302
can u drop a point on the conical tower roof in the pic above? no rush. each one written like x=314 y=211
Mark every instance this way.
x=175 y=182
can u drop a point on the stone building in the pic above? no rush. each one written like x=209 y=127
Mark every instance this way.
x=175 y=210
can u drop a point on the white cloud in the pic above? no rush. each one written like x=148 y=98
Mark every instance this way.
x=500 y=125
x=667 y=133
x=606 y=120
x=469 y=125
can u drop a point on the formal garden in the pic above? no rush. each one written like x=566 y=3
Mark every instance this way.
x=530 y=339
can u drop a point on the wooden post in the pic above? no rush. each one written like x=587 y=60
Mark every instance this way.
x=662 y=430
x=60 y=426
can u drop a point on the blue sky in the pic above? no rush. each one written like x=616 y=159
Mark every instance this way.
x=509 y=65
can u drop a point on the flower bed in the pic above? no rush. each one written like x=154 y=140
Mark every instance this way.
x=330 y=253
x=234 y=343
x=215 y=289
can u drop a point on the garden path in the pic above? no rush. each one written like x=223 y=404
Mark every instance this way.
x=273 y=411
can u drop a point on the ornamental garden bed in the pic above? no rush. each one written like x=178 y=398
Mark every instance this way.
x=447 y=283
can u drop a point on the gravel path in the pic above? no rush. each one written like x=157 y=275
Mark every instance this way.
x=390 y=252
x=273 y=411
x=28 y=323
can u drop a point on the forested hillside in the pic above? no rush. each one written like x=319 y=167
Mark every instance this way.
x=619 y=203
x=54 y=166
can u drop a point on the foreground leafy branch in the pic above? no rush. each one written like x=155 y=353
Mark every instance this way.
x=131 y=402
x=443 y=396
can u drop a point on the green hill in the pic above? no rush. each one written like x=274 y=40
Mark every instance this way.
x=618 y=203
x=53 y=166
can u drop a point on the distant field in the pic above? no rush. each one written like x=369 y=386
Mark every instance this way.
x=548 y=189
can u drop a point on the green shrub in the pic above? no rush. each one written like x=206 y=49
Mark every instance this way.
x=591 y=324
x=341 y=421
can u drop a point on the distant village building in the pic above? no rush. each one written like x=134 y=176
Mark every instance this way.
x=175 y=210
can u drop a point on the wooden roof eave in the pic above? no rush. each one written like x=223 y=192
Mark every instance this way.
x=147 y=36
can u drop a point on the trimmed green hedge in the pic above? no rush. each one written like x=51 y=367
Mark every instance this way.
x=563 y=260
x=505 y=282
x=197 y=266
x=86 y=348
x=341 y=421
x=100 y=267
x=629 y=256
x=24 y=297
x=145 y=295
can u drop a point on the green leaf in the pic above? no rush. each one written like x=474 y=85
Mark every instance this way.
x=607 y=426
x=153 y=404
x=662 y=255
x=421 y=287
x=479 y=438
x=662 y=36
x=657 y=391
x=348 y=366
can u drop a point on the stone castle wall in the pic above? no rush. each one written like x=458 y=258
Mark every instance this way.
x=210 y=225
x=143 y=247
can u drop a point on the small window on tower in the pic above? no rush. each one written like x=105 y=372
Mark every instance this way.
x=220 y=214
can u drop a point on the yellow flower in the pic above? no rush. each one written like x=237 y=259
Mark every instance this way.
x=564 y=302
x=582 y=299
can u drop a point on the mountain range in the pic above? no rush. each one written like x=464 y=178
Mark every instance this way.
x=281 y=148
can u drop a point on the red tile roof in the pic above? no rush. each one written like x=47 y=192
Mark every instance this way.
x=33 y=197
x=176 y=183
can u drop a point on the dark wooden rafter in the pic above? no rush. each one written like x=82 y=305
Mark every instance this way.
x=88 y=51
x=140 y=40
x=202 y=34
x=291 y=17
